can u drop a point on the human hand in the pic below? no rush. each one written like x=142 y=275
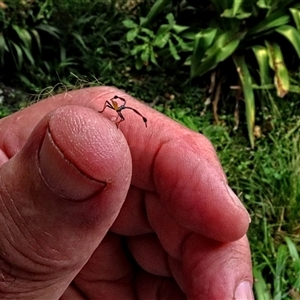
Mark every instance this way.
x=89 y=211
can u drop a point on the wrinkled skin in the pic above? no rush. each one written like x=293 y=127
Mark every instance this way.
x=89 y=211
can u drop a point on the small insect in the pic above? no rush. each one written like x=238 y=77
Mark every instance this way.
x=115 y=106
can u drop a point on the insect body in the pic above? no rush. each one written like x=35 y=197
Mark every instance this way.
x=112 y=104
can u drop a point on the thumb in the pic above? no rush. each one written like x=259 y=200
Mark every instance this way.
x=58 y=197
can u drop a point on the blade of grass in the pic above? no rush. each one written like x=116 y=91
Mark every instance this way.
x=203 y=41
x=281 y=77
x=260 y=286
x=3 y=48
x=279 y=271
x=19 y=55
x=292 y=34
x=157 y=7
x=246 y=82
x=296 y=16
x=261 y=54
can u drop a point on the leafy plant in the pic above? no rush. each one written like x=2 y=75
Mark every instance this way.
x=245 y=44
x=285 y=269
x=146 y=44
x=92 y=40
x=43 y=42
x=22 y=24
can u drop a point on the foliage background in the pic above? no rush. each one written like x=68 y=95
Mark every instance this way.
x=160 y=48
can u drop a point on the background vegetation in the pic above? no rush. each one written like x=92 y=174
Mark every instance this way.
x=230 y=69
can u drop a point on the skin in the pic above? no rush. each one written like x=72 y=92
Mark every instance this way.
x=89 y=211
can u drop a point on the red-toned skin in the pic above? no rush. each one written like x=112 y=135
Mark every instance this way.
x=79 y=199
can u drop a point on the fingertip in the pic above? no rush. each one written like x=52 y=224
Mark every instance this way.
x=194 y=191
x=215 y=270
x=238 y=202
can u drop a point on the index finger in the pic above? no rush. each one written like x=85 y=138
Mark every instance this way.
x=183 y=168
x=178 y=164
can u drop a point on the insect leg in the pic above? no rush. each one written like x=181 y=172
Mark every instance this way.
x=122 y=99
x=106 y=104
x=121 y=119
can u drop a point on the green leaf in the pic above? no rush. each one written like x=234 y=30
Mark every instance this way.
x=145 y=55
x=80 y=40
x=203 y=41
x=225 y=44
x=296 y=16
x=145 y=39
x=188 y=34
x=246 y=82
x=163 y=29
x=161 y=40
x=281 y=77
x=149 y=32
x=292 y=34
x=170 y=19
x=179 y=28
x=281 y=258
x=273 y=21
x=37 y=39
x=188 y=61
x=181 y=44
x=262 y=57
x=173 y=50
x=132 y=34
x=138 y=49
x=3 y=48
x=274 y=5
x=157 y=7
x=260 y=286
x=263 y=4
x=19 y=55
x=229 y=13
x=236 y=11
x=129 y=24
x=139 y=64
x=24 y=36
x=27 y=82
x=162 y=36
x=296 y=283
x=293 y=251
x=236 y=6
x=63 y=54
x=27 y=54
x=153 y=57
x=295 y=89
x=49 y=29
